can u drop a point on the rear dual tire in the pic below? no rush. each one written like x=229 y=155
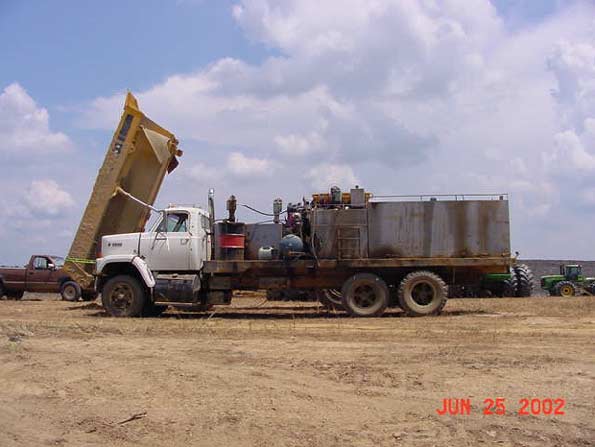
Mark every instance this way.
x=365 y=295
x=422 y=293
x=524 y=277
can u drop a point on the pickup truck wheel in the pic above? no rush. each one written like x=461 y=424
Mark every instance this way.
x=365 y=295
x=70 y=291
x=422 y=293
x=15 y=295
x=123 y=296
x=2 y=293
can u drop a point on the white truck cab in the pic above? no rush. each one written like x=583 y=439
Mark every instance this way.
x=178 y=241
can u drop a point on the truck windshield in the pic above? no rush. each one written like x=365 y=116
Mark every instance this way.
x=58 y=261
x=174 y=223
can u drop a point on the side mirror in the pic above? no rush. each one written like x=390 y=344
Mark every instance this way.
x=52 y=266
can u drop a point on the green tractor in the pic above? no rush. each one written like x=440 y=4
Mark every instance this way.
x=517 y=283
x=569 y=282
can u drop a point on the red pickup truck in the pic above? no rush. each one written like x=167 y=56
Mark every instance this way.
x=43 y=274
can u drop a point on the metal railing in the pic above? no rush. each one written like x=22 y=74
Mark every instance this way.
x=430 y=197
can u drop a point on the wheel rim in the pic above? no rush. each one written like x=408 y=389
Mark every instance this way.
x=566 y=291
x=423 y=293
x=69 y=293
x=122 y=296
x=364 y=296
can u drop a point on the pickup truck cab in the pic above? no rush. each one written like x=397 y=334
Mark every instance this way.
x=43 y=274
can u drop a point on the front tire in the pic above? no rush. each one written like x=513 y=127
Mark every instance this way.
x=70 y=291
x=422 y=293
x=565 y=289
x=123 y=296
x=365 y=295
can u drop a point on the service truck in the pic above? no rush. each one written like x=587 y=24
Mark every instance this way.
x=378 y=252
x=362 y=252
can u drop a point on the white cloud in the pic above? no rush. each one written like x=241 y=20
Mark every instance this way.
x=243 y=166
x=323 y=177
x=24 y=126
x=299 y=145
x=46 y=197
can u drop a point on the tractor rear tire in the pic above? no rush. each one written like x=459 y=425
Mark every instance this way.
x=123 y=296
x=365 y=295
x=565 y=289
x=510 y=287
x=422 y=293
x=524 y=278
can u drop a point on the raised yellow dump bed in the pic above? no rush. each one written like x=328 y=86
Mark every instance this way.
x=137 y=159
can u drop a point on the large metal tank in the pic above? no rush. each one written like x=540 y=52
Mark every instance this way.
x=439 y=228
x=140 y=154
x=413 y=229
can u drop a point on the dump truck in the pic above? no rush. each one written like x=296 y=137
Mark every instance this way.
x=137 y=159
x=371 y=253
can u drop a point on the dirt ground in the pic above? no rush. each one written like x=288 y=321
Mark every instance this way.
x=293 y=374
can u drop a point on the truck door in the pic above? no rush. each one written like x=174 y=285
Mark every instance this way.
x=168 y=248
x=38 y=274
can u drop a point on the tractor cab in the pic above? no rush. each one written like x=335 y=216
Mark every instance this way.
x=571 y=272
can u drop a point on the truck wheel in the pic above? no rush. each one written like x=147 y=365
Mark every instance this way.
x=422 y=293
x=524 y=278
x=565 y=289
x=123 y=296
x=70 y=291
x=365 y=295
x=15 y=295
x=330 y=298
x=2 y=292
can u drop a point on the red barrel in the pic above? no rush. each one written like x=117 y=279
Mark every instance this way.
x=230 y=240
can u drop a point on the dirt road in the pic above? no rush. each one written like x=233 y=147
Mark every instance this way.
x=288 y=374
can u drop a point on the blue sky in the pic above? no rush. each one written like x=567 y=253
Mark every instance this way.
x=265 y=93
